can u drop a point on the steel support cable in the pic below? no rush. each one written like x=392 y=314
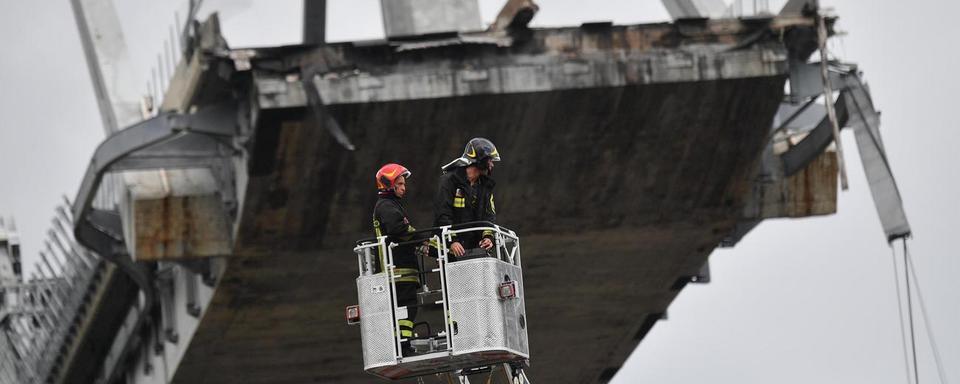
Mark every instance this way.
x=913 y=336
x=926 y=318
x=903 y=332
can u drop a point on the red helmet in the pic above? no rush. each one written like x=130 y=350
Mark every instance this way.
x=388 y=174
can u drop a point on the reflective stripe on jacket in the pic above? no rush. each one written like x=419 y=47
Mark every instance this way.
x=458 y=202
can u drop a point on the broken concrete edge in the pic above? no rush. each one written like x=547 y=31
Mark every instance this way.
x=515 y=14
x=553 y=59
x=197 y=68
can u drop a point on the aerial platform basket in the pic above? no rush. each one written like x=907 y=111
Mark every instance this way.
x=471 y=312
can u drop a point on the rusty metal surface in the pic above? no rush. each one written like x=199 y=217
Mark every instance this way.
x=180 y=227
x=809 y=192
x=813 y=191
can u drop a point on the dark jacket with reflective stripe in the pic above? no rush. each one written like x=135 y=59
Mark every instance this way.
x=390 y=219
x=458 y=202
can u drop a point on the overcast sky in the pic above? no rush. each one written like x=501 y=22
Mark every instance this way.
x=797 y=301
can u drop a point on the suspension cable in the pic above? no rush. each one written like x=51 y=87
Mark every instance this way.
x=903 y=336
x=926 y=318
x=913 y=336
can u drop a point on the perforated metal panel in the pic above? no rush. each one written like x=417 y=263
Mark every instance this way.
x=484 y=321
x=489 y=330
x=515 y=318
x=376 y=322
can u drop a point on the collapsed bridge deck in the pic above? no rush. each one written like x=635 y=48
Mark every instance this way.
x=627 y=151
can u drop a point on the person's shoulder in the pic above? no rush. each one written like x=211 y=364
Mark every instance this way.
x=449 y=178
x=386 y=203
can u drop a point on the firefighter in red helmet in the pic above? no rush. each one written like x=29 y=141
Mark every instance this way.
x=390 y=219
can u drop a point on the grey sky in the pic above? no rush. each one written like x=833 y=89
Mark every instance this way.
x=797 y=301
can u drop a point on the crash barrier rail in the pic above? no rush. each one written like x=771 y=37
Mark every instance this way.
x=474 y=304
x=39 y=317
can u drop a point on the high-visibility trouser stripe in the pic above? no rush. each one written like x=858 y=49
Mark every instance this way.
x=407 y=275
x=406 y=327
x=383 y=255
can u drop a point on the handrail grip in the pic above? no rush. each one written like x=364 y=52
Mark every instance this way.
x=471 y=224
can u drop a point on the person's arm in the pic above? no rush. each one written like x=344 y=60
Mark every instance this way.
x=489 y=214
x=443 y=211
x=393 y=223
x=490 y=211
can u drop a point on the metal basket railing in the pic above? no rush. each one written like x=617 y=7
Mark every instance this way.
x=506 y=248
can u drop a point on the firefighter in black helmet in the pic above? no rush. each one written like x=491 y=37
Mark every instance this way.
x=466 y=194
x=390 y=219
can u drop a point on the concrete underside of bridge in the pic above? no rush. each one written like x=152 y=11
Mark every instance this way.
x=619 y=193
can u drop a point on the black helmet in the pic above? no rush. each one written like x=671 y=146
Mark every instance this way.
x=477 y=150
